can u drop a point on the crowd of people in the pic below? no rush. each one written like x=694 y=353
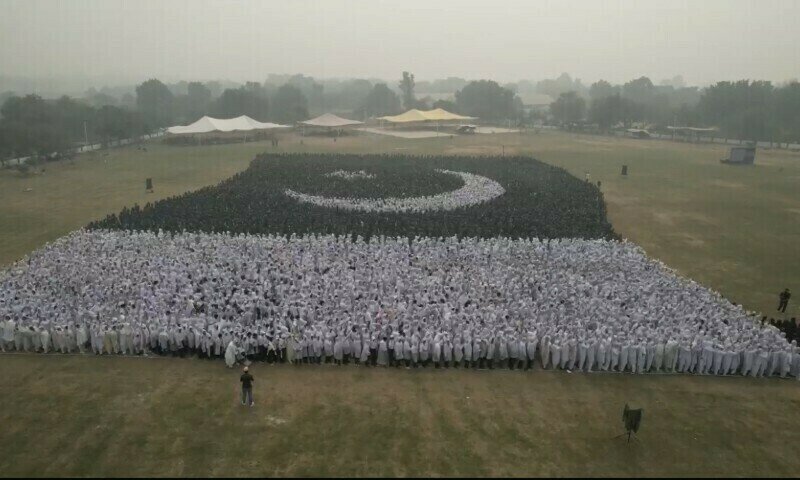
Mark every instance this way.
x=786 y=325
x=540 y=200
x=477 y=189
x=578 y=305
x=351 y=175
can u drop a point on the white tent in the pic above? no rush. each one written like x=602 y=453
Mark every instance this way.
x=435 y=115
x=209 y=124
x=330 y=120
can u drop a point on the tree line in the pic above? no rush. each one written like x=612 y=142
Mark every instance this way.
x=749 y=110
x=34 y=126
x=753 y=110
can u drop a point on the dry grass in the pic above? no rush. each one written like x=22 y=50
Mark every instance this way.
x=75 y=416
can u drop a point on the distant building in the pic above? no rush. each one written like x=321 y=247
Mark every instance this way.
x=741 y=156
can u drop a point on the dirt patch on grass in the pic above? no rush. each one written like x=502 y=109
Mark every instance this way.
x=692 y=241
x=726 y=184
x=665 y=218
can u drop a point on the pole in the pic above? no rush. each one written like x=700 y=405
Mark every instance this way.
x=85 y=135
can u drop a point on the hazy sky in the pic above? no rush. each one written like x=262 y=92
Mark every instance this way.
x=704 y=40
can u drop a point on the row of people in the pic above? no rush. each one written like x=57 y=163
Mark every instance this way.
x=414 y=351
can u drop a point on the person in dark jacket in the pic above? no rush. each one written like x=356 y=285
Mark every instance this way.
x=784 y=300
x=247 y=387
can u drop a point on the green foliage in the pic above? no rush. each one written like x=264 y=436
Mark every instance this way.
x=612 y=110
x=289 y=105
x=33 y=126
x=568 y=108
x=563 y=84
x=744 y=109
x=381 y=101
x=487 y=100
x=198 y=100
x=602 y=89
x=540 y=200
x=241 y=101
x=312 y=91
x=117 y=123
x=639 y=100
x=448 y=105
x=341 y=95
x=640 y=90
x=753 y=110
x=786 y=103
x=156 y=103
x=407 y=87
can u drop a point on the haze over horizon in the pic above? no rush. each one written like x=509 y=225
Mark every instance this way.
x=615 y=40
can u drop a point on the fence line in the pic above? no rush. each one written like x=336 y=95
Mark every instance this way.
x=97 y=146
x=724 y=141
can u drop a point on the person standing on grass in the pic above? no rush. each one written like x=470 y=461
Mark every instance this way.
x=247 y=387
x=784 y=300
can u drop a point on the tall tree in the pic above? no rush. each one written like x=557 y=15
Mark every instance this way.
x=741 y=109
x=381 y=101
x=602 y=89
x=289 y=105
x=640 y=90
x=31 y=126
x=563 y=84
x=448 y=105
x=568 y=108
x=610 y=111
x=313 y=91
x=407 y=88
x=114 y=123
x=786 y=109
x=235 y=102
x=199 y=99
x=155 y=101
x=488 y=100
x=347 y=94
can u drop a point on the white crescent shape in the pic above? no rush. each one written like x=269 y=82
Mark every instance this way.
x=477 y=189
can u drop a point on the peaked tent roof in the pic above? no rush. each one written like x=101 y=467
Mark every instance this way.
x=412 y=115
x=442 y=114
x=330 y=120
x=415 y=115
x=209 y=124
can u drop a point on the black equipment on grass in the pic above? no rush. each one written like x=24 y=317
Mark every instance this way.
x=632 y=419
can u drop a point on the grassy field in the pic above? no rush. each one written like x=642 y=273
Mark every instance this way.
x=733 y=229
x=117 y=416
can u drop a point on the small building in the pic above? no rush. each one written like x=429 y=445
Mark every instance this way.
x=741 y=156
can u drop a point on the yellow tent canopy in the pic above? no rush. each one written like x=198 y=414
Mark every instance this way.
x=435 y=115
